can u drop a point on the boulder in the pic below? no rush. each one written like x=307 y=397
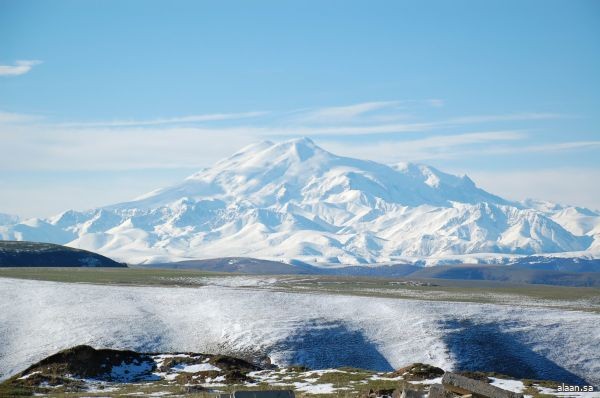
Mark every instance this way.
x=437 y=391
x=478 y=389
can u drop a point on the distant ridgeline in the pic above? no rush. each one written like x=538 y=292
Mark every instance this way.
x=34 y=254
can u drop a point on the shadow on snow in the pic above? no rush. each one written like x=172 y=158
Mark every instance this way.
x=487 y=347
x=331 y=345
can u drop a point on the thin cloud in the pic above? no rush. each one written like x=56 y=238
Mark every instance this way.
x=371 y=110
x=526 y=149
x=433 y=147
x=505 y=118
x=436 y=102
x=106 y=148
x=19 y=68
x=542 y=184
x=353 y=120
x=498 y=143
x=177 y=142
x=415 y=127
x=9 y=117
x=166 y=121
x=536 y=148
x=344 y=113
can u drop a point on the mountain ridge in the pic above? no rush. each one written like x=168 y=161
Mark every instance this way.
x=295 y=200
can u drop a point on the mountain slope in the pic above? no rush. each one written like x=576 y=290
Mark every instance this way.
x=294 y=200
x=8 y=219
x=33 y=254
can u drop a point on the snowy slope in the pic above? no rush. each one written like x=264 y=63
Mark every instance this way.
x=294 y=200
x=577 y=220
x=8 y=219
x=39 y=318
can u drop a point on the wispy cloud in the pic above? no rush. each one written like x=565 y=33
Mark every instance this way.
x=355 y=120
x=106 y=148
x=344 y=113
x=367 y=111
x=505 y=118
x=185 y=147
x=36 y=145
x=541 y=184
x=191 y=141
x=19 y=68
x=436 y=102
x=169 y=121
x=414 y=127
x=8 y=117
x=432 y=147
x=469 y=145
x=551 y=147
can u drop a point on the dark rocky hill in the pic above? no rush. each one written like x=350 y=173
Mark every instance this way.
x=34 y=254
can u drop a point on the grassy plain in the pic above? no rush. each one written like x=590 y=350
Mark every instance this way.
x=578 y=298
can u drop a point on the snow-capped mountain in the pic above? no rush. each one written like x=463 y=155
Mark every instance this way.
x=294 y=200
x=8 y=219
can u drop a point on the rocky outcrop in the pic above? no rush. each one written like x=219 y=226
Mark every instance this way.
x=462 y=385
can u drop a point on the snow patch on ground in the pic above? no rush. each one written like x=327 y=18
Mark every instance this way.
x=587 y=394
x=308 y=388
x=437 y=380
x=239 y=281
x=202 y=367
x=29 y=375
x=38 y=318
x=510 y=385
x=127 y=372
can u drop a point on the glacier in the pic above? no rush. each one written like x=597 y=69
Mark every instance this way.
x=294 y=200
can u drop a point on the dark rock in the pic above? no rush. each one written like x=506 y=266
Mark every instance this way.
x=437 y=391
x=481 y=376
x=381 y=393
x=409 y=393
x=463 y=385
x=418 y=371
x=193 y=389
x=227 y=363
x=264 y=394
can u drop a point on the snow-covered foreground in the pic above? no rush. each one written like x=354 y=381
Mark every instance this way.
x=38 y=318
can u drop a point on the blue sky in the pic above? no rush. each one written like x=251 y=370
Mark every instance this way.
x=101 y=101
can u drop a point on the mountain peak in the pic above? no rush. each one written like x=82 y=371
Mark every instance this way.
x=301 y=148
x=295 y=200
x=302 y=141
x=298 y=148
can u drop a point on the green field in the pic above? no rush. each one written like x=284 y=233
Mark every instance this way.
x=577 y=298
x=106 y=276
